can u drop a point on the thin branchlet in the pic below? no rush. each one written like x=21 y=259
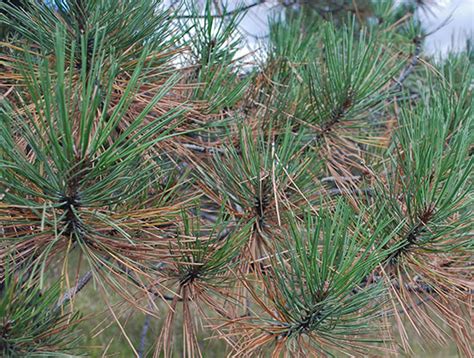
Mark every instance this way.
x=70 y=200
x=338 y=113
x=189 y=276
x=307 y=323
x=261 y=203
x=412 y=238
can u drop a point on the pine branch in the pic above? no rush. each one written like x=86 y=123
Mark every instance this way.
x=393 y=312
x=146 y=326
x=362 y=191
x=225 y=14
x=154 y=292
x=333 y=179
x=411 y=64
x=71 y=293
x=200 y=149
x=412 y=237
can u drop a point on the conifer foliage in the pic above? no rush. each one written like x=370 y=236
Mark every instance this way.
x=312 y=198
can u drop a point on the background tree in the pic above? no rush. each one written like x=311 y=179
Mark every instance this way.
x=313 y=198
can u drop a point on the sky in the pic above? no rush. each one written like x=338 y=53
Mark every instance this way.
x=459 y=28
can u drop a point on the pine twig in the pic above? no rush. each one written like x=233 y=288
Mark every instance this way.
x=332 y=179
x=200 y=149
x=146 y=326
x=415 y=58
x=71 y=293
x=337 y=191
x=225 y=14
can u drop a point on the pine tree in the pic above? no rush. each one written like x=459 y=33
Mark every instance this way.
x=311 y=199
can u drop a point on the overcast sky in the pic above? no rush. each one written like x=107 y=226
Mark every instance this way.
x=459 y=28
